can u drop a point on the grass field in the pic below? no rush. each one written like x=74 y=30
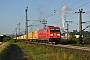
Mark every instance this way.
x=4 y=48
x=42 y=52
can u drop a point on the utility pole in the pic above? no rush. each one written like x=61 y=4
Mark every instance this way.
x=89 y=25
x=18 y=29
x=26 y=31
x=16 y=34
x=44 y=22
x=68 y=27
x=67 y=31
x=89 y=29
x=80 y=23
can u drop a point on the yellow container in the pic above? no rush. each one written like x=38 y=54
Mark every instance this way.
x=21 y=37
x=30 y=36
x=36 y=34
x=24 y=37
x=33 y=36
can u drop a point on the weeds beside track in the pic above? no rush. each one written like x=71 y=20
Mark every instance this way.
x=4 y=49
x=43 y=52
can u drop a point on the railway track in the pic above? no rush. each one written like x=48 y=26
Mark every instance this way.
x=67 y=46
x=74 y=47
x=85 y=51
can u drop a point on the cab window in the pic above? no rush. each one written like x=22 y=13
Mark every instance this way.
x=54 y=30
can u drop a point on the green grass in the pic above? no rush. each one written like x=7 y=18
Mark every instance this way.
x=4 y=49
x=42 y=52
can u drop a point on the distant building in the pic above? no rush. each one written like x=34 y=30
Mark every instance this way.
x=77 y=36
x=64 y=36
x=75 y=31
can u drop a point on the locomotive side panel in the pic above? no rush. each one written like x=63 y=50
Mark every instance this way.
x=42 y=35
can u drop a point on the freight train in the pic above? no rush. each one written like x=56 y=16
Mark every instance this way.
x=50 y=34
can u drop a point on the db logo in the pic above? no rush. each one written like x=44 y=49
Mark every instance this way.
x=54 y=34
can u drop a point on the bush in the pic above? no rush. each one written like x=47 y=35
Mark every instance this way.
x=77 y=40
x=6 y=38
x=63 y=41
x=71 y=42
x=87 y=40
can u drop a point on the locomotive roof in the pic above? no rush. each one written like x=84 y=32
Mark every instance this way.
x=52 y=26
x=47 y=27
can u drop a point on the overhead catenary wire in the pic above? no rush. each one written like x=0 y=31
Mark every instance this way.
x=55 y=10
x=59 y=8
x=64 y=0
x=87 y=14
x=79 y=6
x=82 y=5
x=75 y=3
x=75 y=9
x=71 y=14
x=60 y=5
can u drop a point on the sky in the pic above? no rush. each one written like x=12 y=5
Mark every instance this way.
x=13 y=12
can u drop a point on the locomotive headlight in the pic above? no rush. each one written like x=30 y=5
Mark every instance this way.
x=58 y=34
x=51 y=34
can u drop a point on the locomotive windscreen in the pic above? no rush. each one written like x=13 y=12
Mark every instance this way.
x=54 y=30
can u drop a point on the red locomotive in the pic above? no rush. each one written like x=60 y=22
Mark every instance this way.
x=50 y=34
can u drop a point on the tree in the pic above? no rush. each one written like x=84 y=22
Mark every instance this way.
x=6 y=38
